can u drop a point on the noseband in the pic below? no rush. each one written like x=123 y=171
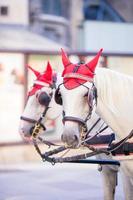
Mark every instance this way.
x=33 y=121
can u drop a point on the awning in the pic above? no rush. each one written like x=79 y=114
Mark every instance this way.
x=20 y=39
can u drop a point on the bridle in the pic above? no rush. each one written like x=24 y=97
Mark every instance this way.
x=95 y=151
x=38 y=123
x=92 y=96
x=82 y=123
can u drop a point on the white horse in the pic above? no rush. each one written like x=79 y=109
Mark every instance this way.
x=114 y=105
x=40 y=96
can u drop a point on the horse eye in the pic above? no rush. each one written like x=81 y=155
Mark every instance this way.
x=37 y=95
x=86 y=94
x=51 y=94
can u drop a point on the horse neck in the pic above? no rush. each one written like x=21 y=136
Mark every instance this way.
x=115 y=100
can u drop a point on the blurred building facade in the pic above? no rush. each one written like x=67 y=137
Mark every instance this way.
x=58 y=20
x=124 y=8
x=108 y=24
x=104 y=22
x=53 y=19
x=47 y=25
x=13 y=12
x=62 y=20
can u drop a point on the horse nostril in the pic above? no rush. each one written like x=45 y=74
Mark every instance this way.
x=31 y=130
x=76 y=139
x=63 y=138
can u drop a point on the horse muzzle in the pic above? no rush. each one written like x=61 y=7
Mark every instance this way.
x=25 y=132
x=71 y=138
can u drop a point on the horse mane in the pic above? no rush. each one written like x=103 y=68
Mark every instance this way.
x=115 y=97
x=114 y=83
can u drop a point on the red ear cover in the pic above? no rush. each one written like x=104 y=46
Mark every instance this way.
x=46 y=76
x=84 y=69
x=34 y=71
x=65 y=59
x=93 y=63
x=48 y=72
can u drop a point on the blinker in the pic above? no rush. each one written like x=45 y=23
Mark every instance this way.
x=44 y=99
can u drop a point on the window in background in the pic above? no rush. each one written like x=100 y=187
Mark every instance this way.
x=100 y=11
x=4 y=10
x=52 y=7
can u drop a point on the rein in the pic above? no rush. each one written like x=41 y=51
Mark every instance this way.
x=77 y=158
x=47 y=155
x=111 y=149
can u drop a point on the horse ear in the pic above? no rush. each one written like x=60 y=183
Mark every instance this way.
x=65 y=58
x=48 y=72
x=92 y=64
x=34 y=71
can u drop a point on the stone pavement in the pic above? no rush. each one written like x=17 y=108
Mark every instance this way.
x=46 y=182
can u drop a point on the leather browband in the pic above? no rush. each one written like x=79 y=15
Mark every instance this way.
x=78 y=76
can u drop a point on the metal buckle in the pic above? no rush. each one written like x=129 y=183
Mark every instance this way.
x=83 y=133
x=36 y=130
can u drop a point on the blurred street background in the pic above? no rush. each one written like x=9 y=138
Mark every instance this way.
x=33 y=32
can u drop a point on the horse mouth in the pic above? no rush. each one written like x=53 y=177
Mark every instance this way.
x=26 y=137
x=70 y=141
x=25 y=134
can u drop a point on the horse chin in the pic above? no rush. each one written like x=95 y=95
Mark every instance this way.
x=26 y=138
x=73 y=145
x=25 y=132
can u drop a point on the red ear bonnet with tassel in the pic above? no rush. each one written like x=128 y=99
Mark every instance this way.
x=45 y=77
x=73 y=73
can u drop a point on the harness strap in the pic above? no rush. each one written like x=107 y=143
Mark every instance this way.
x=48 y=143
x=28 y=119
x=125 y=148
x=120 y=143
x=74 y=119
x=102 y=139
x=41 y=83
x=93 y=126
x=33 y=121
x=37 y=148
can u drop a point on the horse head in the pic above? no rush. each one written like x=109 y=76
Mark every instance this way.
x=40 y=102
x=76 y=94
